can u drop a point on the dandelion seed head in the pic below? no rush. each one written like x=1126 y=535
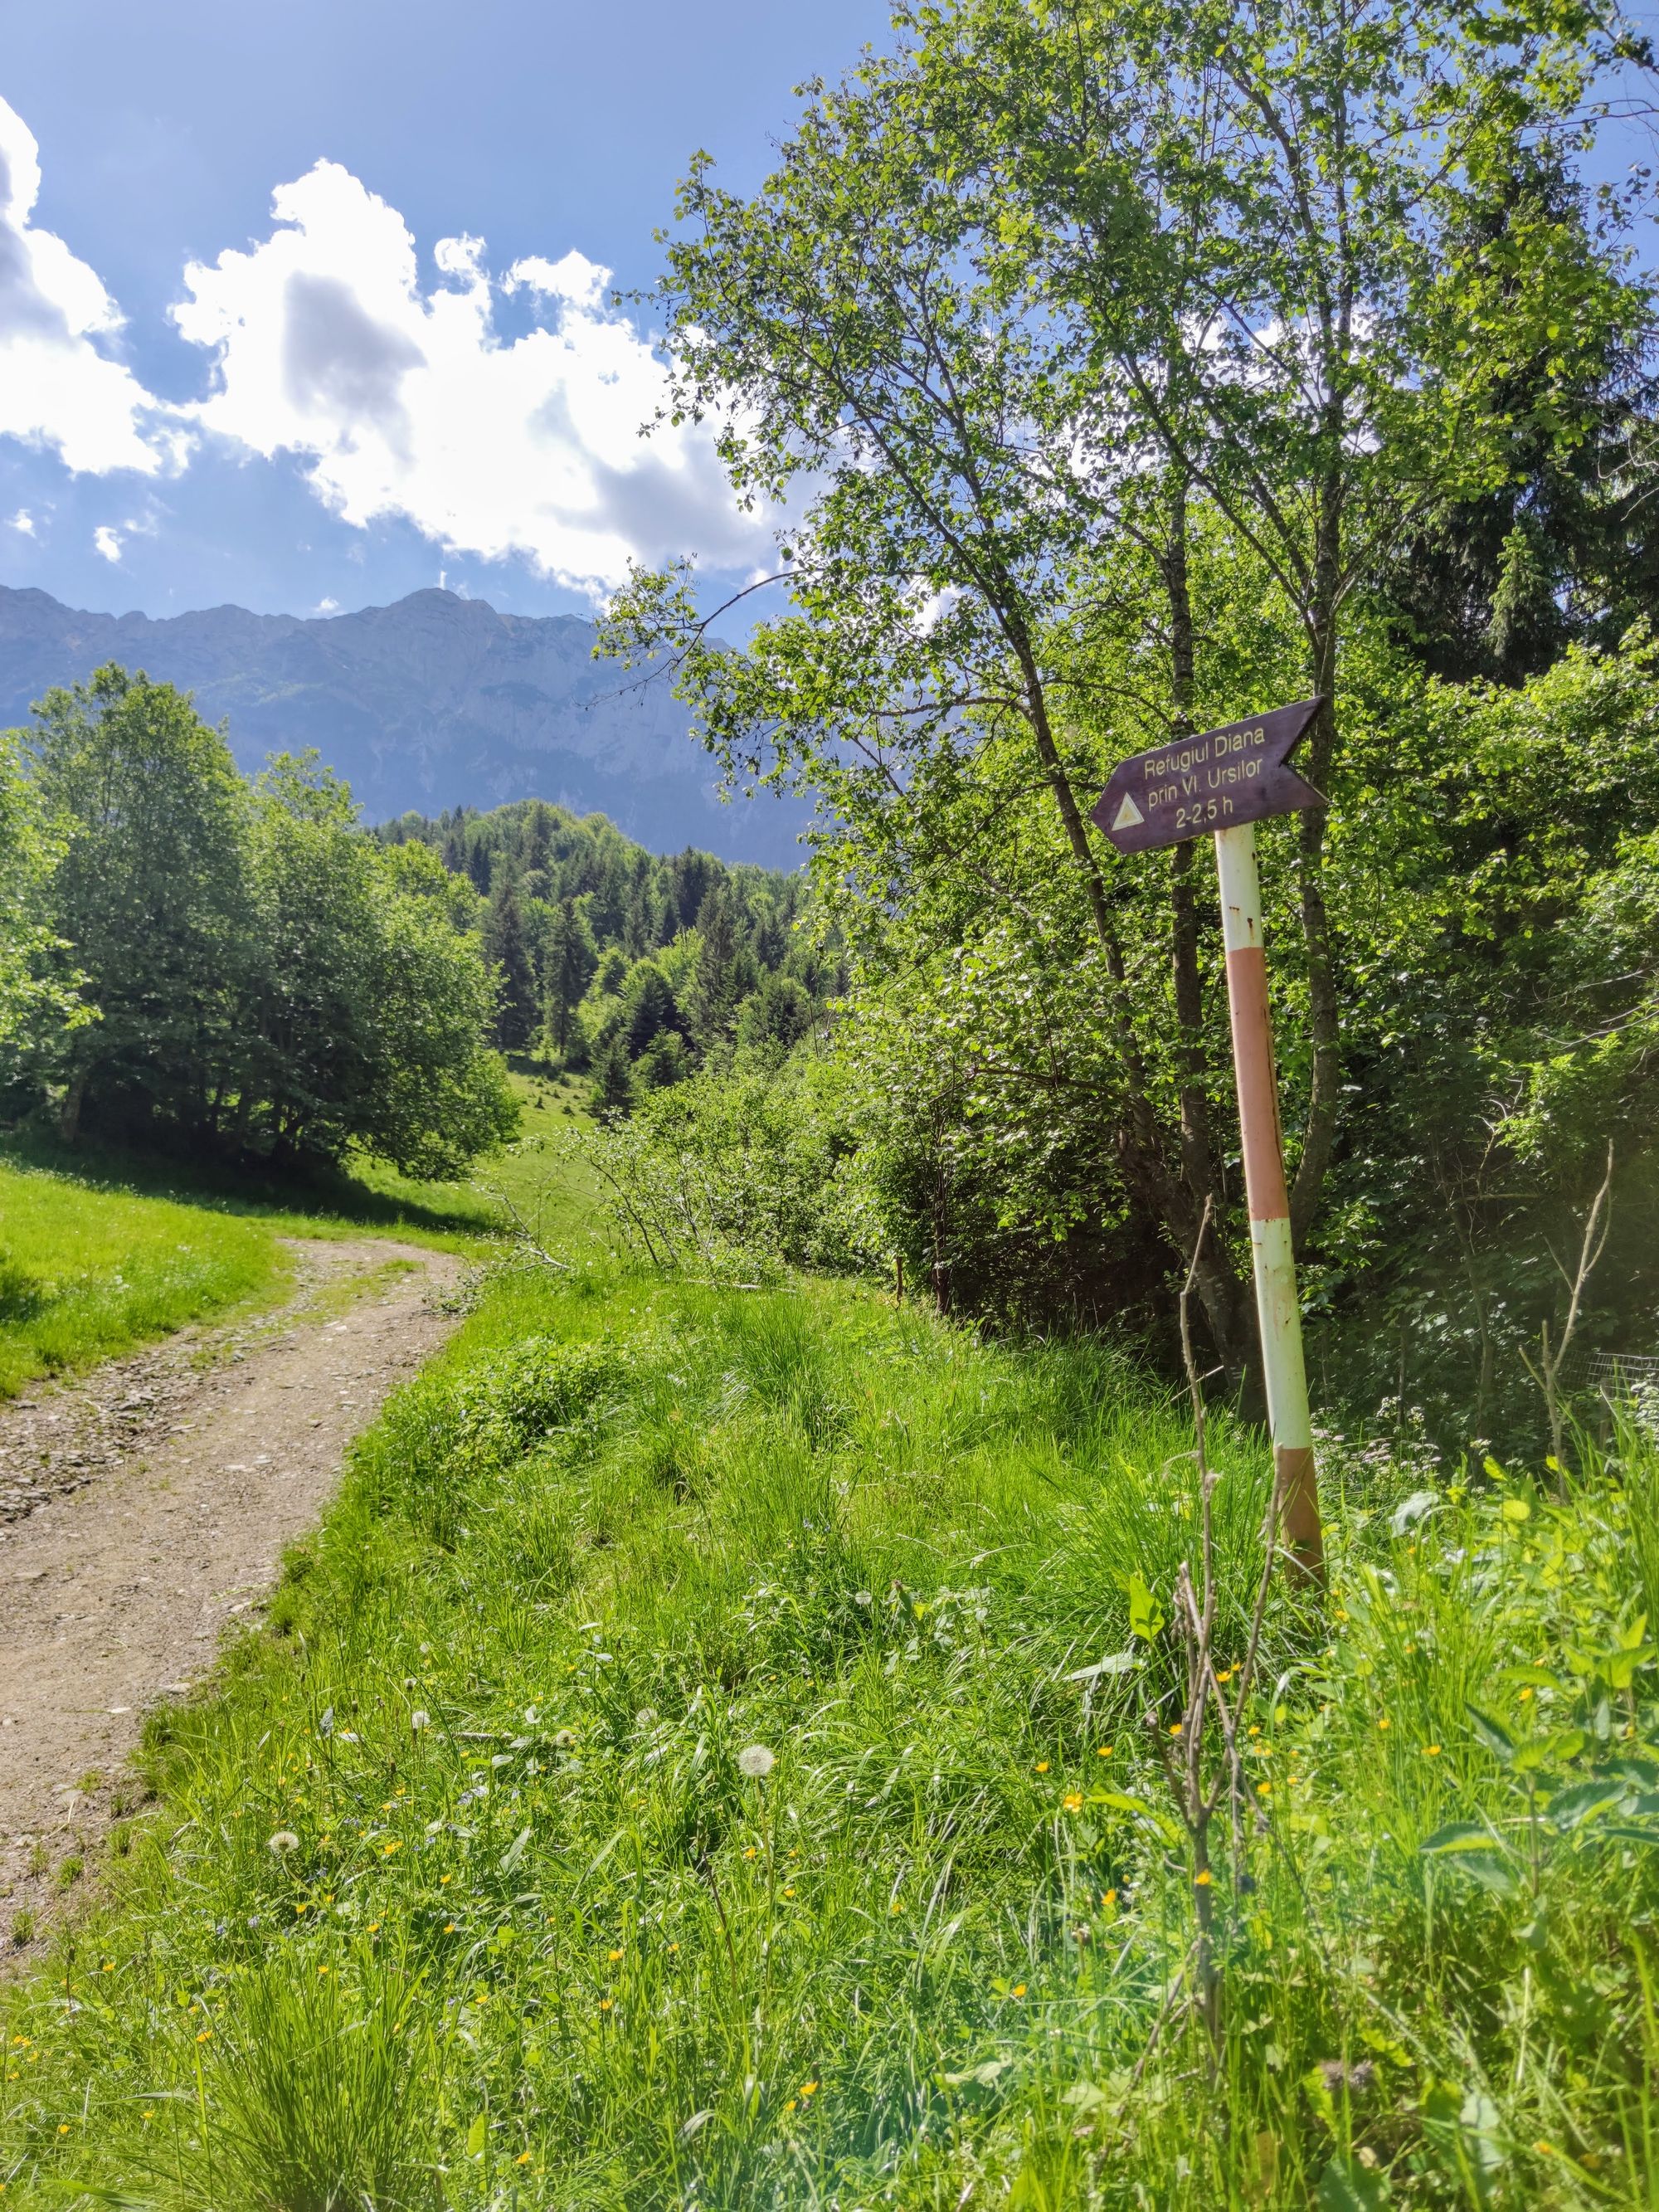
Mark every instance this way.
x=756 y=1761
x=284 y=1840
x=419 y=1718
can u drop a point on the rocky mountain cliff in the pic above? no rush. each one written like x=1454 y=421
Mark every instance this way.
x=434 y=701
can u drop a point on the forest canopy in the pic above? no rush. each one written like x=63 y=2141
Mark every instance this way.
x=236 y=965
x=1124 y=368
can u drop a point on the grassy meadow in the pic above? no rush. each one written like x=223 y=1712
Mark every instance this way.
x=87 y=1273
x=102 y=1252
x=661 y=1783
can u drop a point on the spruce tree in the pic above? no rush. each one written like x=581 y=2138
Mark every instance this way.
x=717 y=981
x=610 y=1096
x=508 y=950
x=570 y=959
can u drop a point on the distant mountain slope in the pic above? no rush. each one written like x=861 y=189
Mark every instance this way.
x=433 y=702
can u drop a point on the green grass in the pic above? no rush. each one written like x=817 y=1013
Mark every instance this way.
x=456 y=1892
x=101 y=1251
x=87 y=1274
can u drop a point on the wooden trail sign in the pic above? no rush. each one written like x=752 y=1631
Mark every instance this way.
x=1226 y=781
x=1219 y=781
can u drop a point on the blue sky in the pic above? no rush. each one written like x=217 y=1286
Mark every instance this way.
x=307 y=306
x=327 y=404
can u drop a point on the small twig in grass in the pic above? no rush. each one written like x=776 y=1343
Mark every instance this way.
x=520 y=1230
x=706 y=1870
x=1197 y=1799
x=1548 y=1374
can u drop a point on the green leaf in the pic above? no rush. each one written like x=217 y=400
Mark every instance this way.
x=1146 y=1614
x=1410 y=1511
x=1493 y=1733
x=1116 y=1662
x=1477 y=1854
x=1459 y=1836
x=1348 y=2187
x=1141 y=1810
x=476 y=2134
x=1584 y=1801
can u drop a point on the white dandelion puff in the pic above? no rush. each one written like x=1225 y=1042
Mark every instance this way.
x=284 y=1840
x=756 y=1761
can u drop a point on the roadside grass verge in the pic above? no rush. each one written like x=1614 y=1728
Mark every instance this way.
x=87 y=1274
x=101 y=1251
x=660 y=1783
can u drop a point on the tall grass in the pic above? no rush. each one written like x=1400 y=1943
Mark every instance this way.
x=459 y=1892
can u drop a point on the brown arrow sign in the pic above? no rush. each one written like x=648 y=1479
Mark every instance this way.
x=1216 y=781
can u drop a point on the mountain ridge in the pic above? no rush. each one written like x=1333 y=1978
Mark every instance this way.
x=430 y=702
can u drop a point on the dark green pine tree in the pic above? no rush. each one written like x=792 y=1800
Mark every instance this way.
x=569 y=960
x=611 y=1095
x=717 y=980
x=508 y=950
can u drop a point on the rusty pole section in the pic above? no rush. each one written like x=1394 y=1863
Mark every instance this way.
x=1296 y=1486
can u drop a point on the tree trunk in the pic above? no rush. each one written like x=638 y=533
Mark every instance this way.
x=1319 y=1129
x=1219 y=1290
x=69 y=1109
x=1166 y=1195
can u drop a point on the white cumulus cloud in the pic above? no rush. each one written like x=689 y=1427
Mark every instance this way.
x=408 y=402
x=106 y=540
x=59 y=386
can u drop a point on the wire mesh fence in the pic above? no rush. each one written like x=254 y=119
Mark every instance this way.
x=1617 y=1377
x=1605 y=1388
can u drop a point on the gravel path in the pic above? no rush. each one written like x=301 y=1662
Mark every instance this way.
x=146 y=1506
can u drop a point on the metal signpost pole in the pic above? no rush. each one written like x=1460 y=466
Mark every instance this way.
x=1226 y=780
x=1278 y=1317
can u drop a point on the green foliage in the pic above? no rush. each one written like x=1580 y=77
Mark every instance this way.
x=611 y=1091
x=539 y=1929
x=508 y=950
x=267 y=981
x=37 y=997
x=1119 y=361
x=149 y=893
x=599 y=928
x=732 y=1175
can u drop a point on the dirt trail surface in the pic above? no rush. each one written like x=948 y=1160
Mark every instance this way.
x=144 y=1506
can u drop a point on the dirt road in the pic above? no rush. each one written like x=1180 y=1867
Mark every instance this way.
x=146 y=1505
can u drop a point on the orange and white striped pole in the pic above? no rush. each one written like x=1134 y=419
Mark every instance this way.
x=1296 y=1486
